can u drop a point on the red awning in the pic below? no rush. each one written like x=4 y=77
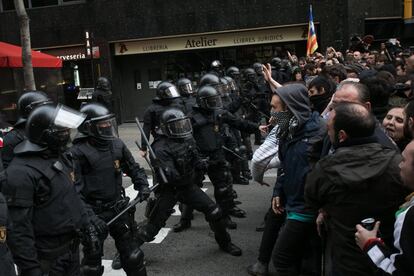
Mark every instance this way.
x=11 y=57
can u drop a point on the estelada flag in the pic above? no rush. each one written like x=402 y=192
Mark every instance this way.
x=312 y=44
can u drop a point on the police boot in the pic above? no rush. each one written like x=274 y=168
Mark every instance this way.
x=230 y=248
x=116 y=262
x=240 y=180
x=182 y=225
x=237 y=212
x=247 y=174
x=229 y=223
x=258 y=269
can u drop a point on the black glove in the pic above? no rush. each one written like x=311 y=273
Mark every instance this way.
x=99 y=224
x=144 y=193
x=91 y=242
x=202 y=164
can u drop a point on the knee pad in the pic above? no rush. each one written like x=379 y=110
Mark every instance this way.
x=243 y=149
x=214 y=214
x=92 y=270
x=133 y=264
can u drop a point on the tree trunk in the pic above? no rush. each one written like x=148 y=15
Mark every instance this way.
x=29 y=81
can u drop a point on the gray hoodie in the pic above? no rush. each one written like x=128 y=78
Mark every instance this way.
x=295 y=96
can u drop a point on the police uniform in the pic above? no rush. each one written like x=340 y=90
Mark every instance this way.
x=10 y=141
x=178 y=157
x=207 y=128
x=6 y=260
x=46 y=214
x=101 y=173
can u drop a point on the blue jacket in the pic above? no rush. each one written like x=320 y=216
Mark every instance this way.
x=297 y=156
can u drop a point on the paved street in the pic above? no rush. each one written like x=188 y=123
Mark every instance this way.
x=195 y=252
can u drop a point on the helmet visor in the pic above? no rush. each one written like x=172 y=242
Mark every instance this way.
x=213 y=102
x=67 y=117
x=187 y=88
x=106 y=129
x=180 y=128
x=232 y=85
x=222 y=88
x=171 y=92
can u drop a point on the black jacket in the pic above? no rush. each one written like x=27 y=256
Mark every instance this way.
x=356 y=182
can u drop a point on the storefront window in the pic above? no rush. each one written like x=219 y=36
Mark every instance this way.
x=42 y=3
x=8 y=5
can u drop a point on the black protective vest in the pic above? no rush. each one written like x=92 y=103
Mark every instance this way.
x=102 y=180
x=11 y=140
x=57 y=208
x=207 y=132
x=185 y=157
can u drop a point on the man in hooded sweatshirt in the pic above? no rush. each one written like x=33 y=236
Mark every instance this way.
x=300 y=137
x=359 y=180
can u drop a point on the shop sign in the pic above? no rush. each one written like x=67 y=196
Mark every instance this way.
x=72 y=53
x=214 y=40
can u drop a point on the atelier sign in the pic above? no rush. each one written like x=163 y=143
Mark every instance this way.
x=215 y=40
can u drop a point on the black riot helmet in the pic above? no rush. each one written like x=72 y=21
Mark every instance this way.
x=208 y=98
x=216 y=66
x=28 y=102
x=214 y=81
x=233 y=72
x=276 y=63
x=185 y=87
x=103 y=84
x=99 y=123
x=258 y=68
x=250 y=75
x=175 y=124
x=166 y=91
x=48 y=127
x=224 y=88
x=231 y=83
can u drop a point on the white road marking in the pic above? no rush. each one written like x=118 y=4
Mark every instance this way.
x=161 y=235
x=177 y=211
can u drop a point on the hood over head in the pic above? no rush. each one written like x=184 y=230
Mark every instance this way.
x=295 y=96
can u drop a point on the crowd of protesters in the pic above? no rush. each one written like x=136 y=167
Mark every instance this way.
x=340 y=135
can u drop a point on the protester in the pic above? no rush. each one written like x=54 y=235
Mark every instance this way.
x=401 y=262
x=347 y=184
x=299 y=131
x=393 y=124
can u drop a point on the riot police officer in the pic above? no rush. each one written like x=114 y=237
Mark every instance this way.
x=26 y=104
x=45 y=209
x=103 y=157
x=208 y=119
x=6 y=260
x=103 y=93
x=166 y=97
x=186 y=90
x=216 y=68
x=253 y=96
x=177 y=153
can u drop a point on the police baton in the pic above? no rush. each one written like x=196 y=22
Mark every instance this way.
x=146 y=159
x=232 y=152
x=154 y=158
x=130 y=205
x=258 y=110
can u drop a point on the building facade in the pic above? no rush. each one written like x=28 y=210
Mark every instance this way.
x=139 y=43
